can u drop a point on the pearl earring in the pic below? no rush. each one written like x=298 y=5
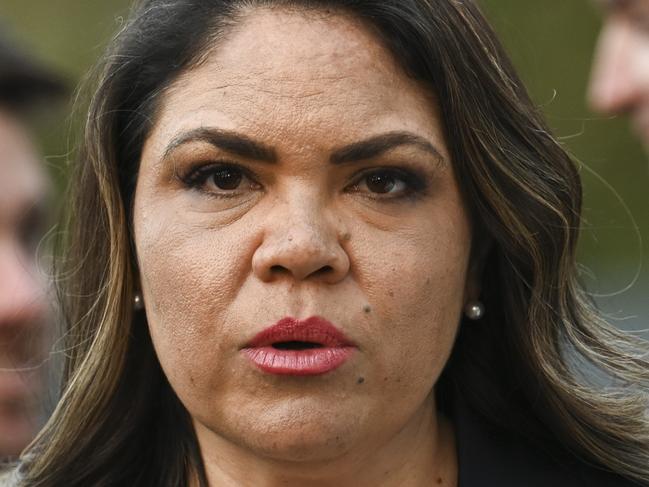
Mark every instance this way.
x=138 y=303
x=474 y=310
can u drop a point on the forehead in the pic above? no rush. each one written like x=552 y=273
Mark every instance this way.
x=322 y=39
x=299 y=71
x=22 y=179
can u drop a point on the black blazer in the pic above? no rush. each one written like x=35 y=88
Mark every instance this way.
x=491 y=459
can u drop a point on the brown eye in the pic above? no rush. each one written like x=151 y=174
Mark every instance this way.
x=226 y=178
x=385 y=182
x=221 y=180
x=381 y=183
x=390 y=184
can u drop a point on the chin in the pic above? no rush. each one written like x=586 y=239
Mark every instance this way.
x=301 y=431
x=312 y=445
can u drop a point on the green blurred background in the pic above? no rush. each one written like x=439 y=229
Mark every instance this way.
x=551 y=43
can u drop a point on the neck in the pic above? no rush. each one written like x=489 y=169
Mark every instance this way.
x=423 y=450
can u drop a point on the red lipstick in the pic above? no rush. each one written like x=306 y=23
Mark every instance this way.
x=299 y=347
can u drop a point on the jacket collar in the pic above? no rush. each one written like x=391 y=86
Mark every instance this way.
x=487 y=458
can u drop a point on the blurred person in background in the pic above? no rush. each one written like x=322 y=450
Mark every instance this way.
x=620 y=77
x=24 y=186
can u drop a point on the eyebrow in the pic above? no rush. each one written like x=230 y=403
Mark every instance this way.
x=226 y=140
x=243 y=146
x=380 y=144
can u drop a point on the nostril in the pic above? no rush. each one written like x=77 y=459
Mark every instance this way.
x=324 y=270
x=278 y=269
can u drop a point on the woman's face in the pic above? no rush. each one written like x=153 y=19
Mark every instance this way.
x=299 y=173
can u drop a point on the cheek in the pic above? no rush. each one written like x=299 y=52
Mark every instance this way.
x=415 y=282
x=190 y=273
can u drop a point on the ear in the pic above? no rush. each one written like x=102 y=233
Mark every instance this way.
x=480 y=250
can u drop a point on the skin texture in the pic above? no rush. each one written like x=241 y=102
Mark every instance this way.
x=304 y=237
x=23 y=186
x=620 y=76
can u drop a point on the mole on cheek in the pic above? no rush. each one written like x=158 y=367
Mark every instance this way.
x=360 y=380
x=367 y=308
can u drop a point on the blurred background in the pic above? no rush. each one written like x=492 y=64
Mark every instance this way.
x=550 y=42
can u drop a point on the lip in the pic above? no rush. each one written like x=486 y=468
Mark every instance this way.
x=268 y=353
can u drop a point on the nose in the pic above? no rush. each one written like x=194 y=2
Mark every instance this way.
x=301 y=241
x=614 y=86
x=22 y=295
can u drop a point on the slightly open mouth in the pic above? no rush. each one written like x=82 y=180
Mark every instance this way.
x=296 y=345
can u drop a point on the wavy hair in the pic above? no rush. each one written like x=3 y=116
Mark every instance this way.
x=119 y=423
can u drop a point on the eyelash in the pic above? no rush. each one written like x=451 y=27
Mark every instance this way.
x=198 y=176
x=414 y=180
